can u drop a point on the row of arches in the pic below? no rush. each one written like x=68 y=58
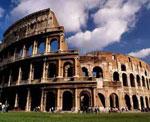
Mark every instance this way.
x=26 y=72
x=140 y=81
x=114 y=101
x=97 y=72
x=30 y=48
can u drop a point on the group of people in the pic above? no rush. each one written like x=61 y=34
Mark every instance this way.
x=4 y=107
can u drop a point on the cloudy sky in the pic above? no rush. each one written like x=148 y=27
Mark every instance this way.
x=110 y=25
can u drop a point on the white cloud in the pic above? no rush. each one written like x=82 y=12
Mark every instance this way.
x=113 y=19
x=1 y=12
x=141 y=53
x=72 y=14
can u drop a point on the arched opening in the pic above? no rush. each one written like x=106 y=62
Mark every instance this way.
x=143 y=81
x=29 y=50
x=19 y=52
x=114 y=101
x=50 y=101
x=116 y=76
x=146 y=100
x=67 y=101
x=68 y=70
x=35 y=98
x=85 y=100
x=25 y=71
x=142 y=102
x=124 y=78
x=123 y=67
x=102 y=100
x=147 y=83
x=38 y=70
x=97 y=72
x=15 y=73
x=22 y=98
x=85 y=71
x=132 y=80
x=52 y=70
x=127 y=101
x=41 y=47
x=11 y=98
x=54 y=46
x=135 y=102
x=138 y=80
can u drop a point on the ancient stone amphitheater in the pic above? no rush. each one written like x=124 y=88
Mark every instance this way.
x=38 y=70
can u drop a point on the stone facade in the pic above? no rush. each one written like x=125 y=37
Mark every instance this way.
x=38 y=70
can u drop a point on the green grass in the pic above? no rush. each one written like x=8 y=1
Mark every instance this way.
x=66 y=117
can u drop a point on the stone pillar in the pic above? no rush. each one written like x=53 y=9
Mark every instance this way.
x=43 y=101
x=16 y=101
x=128 y=80
x=31 y=73
x=28 y=103
x=9 y=81
x=60 y=75
x=144 y=102
x=94 y=98
x=19 y=76
x=59 y=102
x=47 y=45
x=24 y=51
x=45 y=71
x=107 y=101
x=76 y=100
x=61 y=40
x=76 y=67
x=35 y=49
x=131 y=102
x=15 y=53
x=139 y=102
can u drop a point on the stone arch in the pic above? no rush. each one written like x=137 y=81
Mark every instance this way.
x=52 y=70
x=147 y=84
x=25 y=69
x=98 y=72
x=143 y=81
x=29 y=50
x=142 y=102
x=146 y=101
x=50 y=101
x=138 y=80
x=132 y=80
x=67 y=101
x=38 y=70
x=124 y=79
x=102 y=99
x=85 y=100
x=115 y=76
x=85 y=71
x=114 y=100
x=41 y=47
x=68 y=69
x=123 y=67
x=127 y=101
x=54 y=45
x=135 y=102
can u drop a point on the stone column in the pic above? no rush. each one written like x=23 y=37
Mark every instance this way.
x=59 y=69
x=94 y=98
x=35 y=50
x=28 y=103
x=9 y=81
x=139 y=102
x=19 y=76
x=76 y=100
x=107 y=101
x=31 y=73
x=43 y=101
x=47 y=45
x=131 y=102
x=76 y=67
x=61 y=40
x=45 y=71
x=144 y=102
x=16 y=101
x=24 y=51
x=59 y=105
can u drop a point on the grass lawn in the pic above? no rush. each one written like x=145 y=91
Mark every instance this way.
x=66 y=117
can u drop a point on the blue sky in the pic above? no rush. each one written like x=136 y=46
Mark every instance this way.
x=121 y=26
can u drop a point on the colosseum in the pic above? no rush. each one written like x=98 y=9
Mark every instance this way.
x=37 y=69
